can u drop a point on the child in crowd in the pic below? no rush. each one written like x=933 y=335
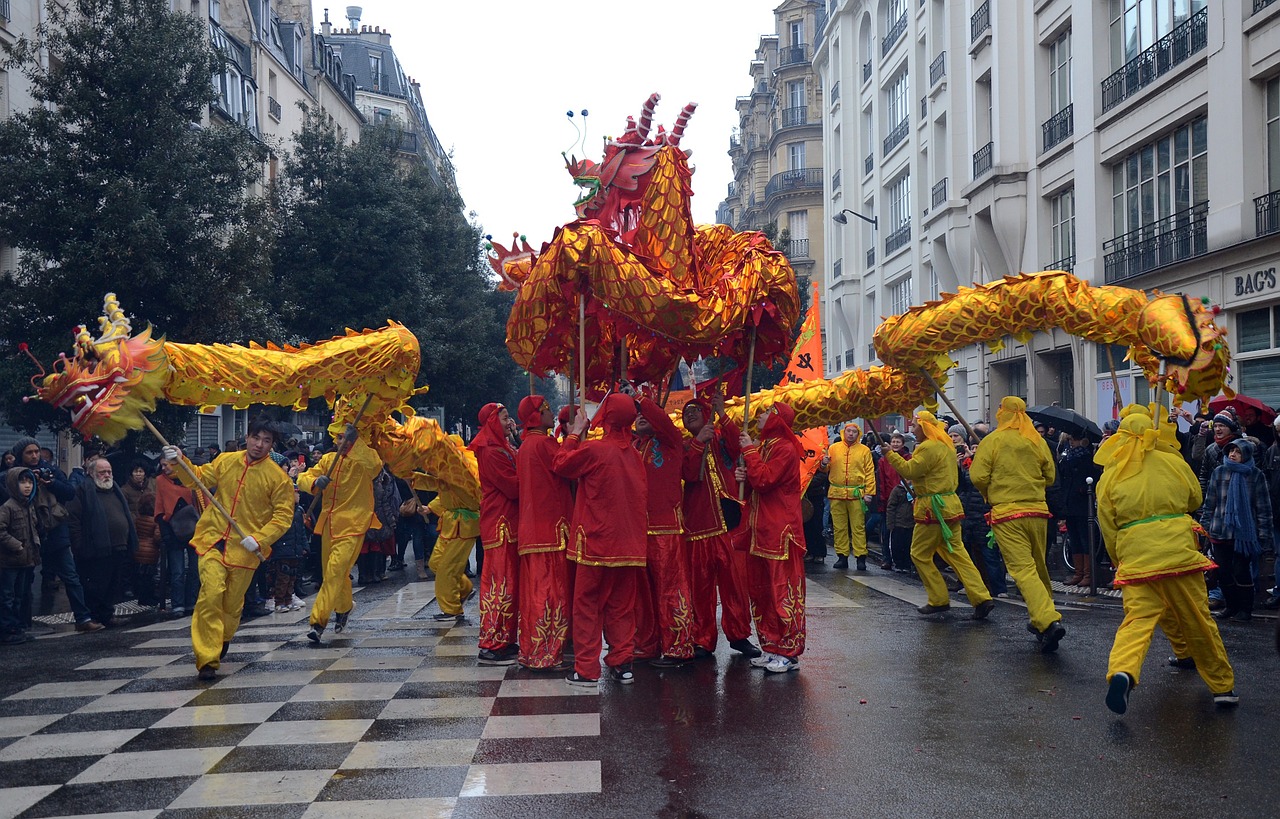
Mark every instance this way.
x=286 y=558
x=902 y=524
x=19 y=554
x=147 y=558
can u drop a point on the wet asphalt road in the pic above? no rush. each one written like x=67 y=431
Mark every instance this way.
x=891 y=714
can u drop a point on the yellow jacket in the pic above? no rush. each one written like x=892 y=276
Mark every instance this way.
x=1012 y=472
x=347 y=502
x=1146 y=523
x=259 y=497
x=935 y=475
x=457 y=520
x=852 y=471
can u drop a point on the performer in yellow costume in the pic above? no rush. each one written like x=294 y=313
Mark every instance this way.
x=935 y=475
x=1145 y=498
x=346 y=511
x=1011 y=469
x=852 y=471
x=259 y=497
x=459 y=527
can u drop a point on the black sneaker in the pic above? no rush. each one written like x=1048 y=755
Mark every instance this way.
x=745 y=647
x=314 y=634
x=445 y=616
x=1118 y=692
x=984 y=608
x=1185 y=663
x=340 y=619
x=842 y=562
x=1272 y=602
x=207 y=673
x=862 y=564
x=582 y=682
x=700 y=653
x=503 y=656
x=667 y=662
x=1228 y=699
x=1051 y=636
x=929 y=608
x=622 y=674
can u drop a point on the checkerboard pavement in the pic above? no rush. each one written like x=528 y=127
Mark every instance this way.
x=391 y=717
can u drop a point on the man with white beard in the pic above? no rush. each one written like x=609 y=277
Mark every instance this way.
x=102 y=539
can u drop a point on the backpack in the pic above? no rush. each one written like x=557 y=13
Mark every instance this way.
x=183 y=521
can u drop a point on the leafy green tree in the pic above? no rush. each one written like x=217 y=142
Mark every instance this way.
x=111 y=183
x=364 y=238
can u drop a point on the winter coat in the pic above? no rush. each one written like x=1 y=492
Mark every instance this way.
x=898 y=510
x=90 y=537
x=975 y=506
x=296 y=542
x=148 y=529
x=386 y=508
x=1075 y=467
x=19 y=529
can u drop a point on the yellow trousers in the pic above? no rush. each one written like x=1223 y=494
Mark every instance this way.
x=1022 y=542
x=1180 y=606
x=218 y=608
x=337 y=557
x=926 y=541
x=449 y=562
x=850 y=527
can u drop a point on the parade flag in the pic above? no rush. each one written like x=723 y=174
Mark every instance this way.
x=806 y=365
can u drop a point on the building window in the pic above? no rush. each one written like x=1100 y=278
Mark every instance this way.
x=1258 y=331
x=900 y=297
x=1161 y=178
x=215 y=10
x=375 y=68
x=795 y=156
x=1062 y=216
x=900 y=202
x=898 y=107
x=1136 y=25
x=795 y=94
x=1060 y=73
x=1273 y=134
x=896 y=10
x=796 y=30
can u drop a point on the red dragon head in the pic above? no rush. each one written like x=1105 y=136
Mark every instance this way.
x=108 y=382
x=513 y=265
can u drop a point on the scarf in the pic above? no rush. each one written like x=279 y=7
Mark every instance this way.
x=1238 y=513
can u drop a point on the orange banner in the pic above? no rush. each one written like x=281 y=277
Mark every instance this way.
x=806 y=365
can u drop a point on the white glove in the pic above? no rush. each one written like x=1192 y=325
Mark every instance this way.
x=250 y=545
x=170 y=453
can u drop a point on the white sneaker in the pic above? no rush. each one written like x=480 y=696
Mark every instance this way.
x=298 y=602
x=781 y=665
x=763 y=660
x=270 y=607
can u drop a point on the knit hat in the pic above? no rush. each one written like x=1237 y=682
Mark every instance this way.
x=956 y=429
x=22 y=444
x=1228 y=420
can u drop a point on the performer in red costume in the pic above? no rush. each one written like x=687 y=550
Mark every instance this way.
x=664 y=611
x=546 y=588
x=775 y=564
x=499 y=517
x=606 y=539
x=708 y=480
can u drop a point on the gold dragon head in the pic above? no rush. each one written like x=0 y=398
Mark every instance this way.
x=108 y=382
x=1184 y=333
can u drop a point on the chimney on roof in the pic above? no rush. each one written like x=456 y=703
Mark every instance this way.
x=353 y=16
x=326 y=26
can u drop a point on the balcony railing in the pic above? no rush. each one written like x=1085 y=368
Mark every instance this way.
x=871 y=258
x=1067 y=263
x=1059 y=126
x=940 y=193
x=1259 y=5
x=797 y=249
x=792 y=55
x=835 y=180
x=894 y=34
x=5 y=13
x=273 y=106
x=733 y=189
x=835 y=92
x=980 y=22
x=735 y=142
x=899 y=238
x=408 y=142
x=1176 y=237
x=866 y=71
x=724 y=215
x=982 y=160
x=938 y=69
x=1268 y=213
x=1170 y=50
x=795 y=116
x=868 y=164
x=806 y=178
x=896 y=136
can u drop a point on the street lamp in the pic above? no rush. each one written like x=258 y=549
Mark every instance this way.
x=841 y=219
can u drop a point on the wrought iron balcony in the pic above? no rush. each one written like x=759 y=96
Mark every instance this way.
x=1067 y=263
x=274 y=109
x=1059 y=126
x=1268 y=213
x=1178 y=236
x=866 y=71
x=835 y=92
x=796 y=249
x=804 y=179
x=982 y=160
x=733 y=189
x=735 y=142
x=896 y=136
x=899 y=238
x=871 y=258
x=792 y=117
x=835 y=180
x=1169 y=51
x=894 y=34
x=868 y=164
x=408 y=142
x=1259 y=5
x=793 y=55
x=940 y=193
x=5 y=12
x=980 y=22
x=938 y=69
x=724 y=215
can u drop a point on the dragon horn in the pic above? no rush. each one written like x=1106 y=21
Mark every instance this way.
x=646 y=115
x=23 y=348
x=681 y=121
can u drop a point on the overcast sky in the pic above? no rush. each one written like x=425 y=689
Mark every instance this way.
x=497 y=78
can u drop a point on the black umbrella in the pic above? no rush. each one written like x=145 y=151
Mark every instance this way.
x=288 y=429
x=1066 y=420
